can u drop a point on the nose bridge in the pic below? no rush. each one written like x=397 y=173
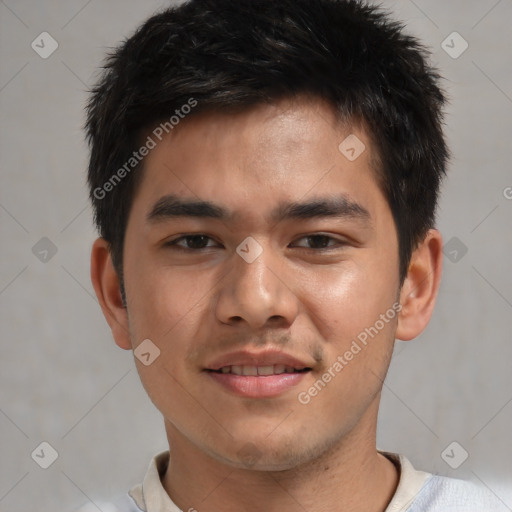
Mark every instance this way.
x=254 y=290
x=253 y=274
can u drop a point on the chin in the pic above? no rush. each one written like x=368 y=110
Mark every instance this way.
x=280 y=454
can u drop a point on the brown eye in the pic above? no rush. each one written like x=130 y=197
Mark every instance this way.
x=319 y=241
x=191 y=242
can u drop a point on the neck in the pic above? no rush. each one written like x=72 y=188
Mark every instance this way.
x=350 y=474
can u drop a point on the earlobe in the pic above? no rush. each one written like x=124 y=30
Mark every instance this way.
x=106 y=285
x=421 y=286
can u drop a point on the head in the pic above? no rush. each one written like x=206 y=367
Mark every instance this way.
x=305 y=135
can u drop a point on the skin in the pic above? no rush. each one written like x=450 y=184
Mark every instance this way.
x=297 y=296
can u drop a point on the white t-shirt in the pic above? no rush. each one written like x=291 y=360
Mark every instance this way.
x=417 y=491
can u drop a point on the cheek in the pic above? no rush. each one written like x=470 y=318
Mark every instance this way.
x=346 y=305
x=343 y=300
x=347 y=308
x=162 y=297
x=167 y=309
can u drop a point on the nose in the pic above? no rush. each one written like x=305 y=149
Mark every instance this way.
x=257 y=294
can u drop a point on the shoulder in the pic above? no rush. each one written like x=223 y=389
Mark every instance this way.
x=444 y=494
x=419 y=491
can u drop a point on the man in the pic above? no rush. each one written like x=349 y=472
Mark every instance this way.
x=264 y=177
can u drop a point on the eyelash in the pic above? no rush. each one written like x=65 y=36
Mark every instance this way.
x=174 y=243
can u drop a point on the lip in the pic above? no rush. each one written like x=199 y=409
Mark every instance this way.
x=261 y=386
x=264 y=358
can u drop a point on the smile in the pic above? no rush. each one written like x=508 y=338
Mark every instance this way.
x=276 y=369
x=257 y=381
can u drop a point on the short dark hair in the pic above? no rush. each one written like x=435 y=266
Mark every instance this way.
x=228 y=55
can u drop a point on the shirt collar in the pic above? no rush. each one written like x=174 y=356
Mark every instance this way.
x=150 y=496
x=409 y=485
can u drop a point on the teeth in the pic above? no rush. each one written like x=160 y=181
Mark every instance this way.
x=265 y=370
x=237 y=370
x=276 y=369
x=279 y=368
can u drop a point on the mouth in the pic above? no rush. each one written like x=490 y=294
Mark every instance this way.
x=257 y=375
x=259 y=371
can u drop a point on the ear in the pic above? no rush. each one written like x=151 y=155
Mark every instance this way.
x=106 y=285
x=421 y=285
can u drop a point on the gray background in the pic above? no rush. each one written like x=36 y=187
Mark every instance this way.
x=64 y=381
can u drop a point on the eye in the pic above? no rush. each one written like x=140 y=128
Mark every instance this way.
x=191 y=242
x=321 y=241
x=199 y=241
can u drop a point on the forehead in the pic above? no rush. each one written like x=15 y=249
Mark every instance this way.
x=263 y=156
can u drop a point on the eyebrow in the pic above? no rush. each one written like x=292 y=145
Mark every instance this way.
x=339 y=206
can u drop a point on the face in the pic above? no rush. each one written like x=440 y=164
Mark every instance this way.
x=273 y=298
